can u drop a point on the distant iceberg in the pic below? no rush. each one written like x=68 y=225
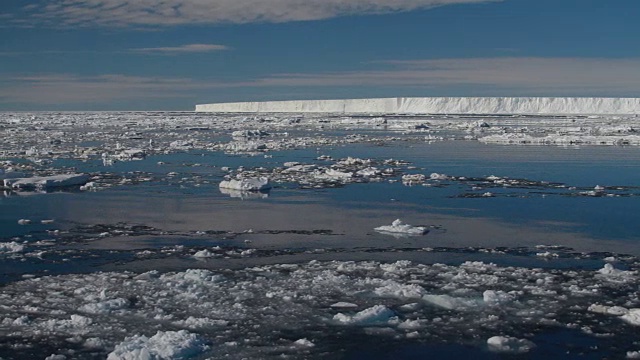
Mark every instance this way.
x=440 y=105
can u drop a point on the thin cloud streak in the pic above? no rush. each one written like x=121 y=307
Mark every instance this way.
x=479 y=76
x=72 y=89
x=190 y=48
x=152 y=13
x=553 y=74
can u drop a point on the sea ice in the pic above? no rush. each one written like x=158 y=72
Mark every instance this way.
x=11 y=247
x=398 y=227
x=246 y=184
x=375 y=315
x=163 y=345
x=47 y=182
x=507 y=344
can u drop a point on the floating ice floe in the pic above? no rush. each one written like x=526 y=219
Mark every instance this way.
x=244 y=194
x=413 y=179
x=507 y=344
x=163 y=345
x=246 y=184
x=47 y=182
x=398 y=227
x=375 y=315
x=249 y=134
x=11 y=247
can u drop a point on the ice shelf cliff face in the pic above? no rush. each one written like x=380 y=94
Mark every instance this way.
x=438 y=105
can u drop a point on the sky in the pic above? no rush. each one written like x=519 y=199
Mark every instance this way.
x=67 y=55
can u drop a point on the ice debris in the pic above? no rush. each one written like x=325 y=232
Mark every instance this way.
x=46 y=182
x=163 y=345
x=375 y=315
x=507 y=344
x=246 y=184
x=398 y=227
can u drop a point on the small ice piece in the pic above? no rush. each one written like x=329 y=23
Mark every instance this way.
x=338 y=174
x=47 y=182
x=11 y=247
x=246 y=184
x=507 y=344
x=632 y=317
x=88 y=186
x=24 y=222
x=398 y=227
x=344 y=305
x=55 y=357
x=375 y=315
x=436 y=176
x=613 y=274
x=303 y=343
x=633 y=354
x=47 y=221
x=249 y=133
x=132 y=154
x=163 y=345
x=450 y=302
x=411 y=179
x=204 y=254
x=495 y=298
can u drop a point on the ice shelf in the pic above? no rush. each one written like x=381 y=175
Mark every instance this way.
x=439 y=105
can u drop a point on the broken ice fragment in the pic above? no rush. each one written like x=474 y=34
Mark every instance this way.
x=507 y=344
x=398 y=227
x=249 y=184
x=47 y=182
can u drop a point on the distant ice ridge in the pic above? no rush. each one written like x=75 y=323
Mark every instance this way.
x=439 y=105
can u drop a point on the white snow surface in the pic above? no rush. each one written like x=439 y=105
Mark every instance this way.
x=438 y=105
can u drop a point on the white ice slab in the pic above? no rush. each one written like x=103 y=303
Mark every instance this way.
x=47 y=182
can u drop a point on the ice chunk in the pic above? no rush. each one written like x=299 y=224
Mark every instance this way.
x=338 y=174
x=304 y=343
x=344 y=305
x=451 y=303
x=633 y=354
x=375 y=315
x=632 y=317
x=507 y=344
x=436 y=176
x=246 y=184
x=612 y=274
x=47 y=182
x=11 y=247
x=411 y=179
x=495 y=298
x=398 y=227
x=163 y=345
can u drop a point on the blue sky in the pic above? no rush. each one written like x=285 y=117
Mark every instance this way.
x=173 y=54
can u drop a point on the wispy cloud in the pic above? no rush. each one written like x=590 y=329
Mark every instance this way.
x=190 y=48
x=477 y=77
x=143 y=13
x=74 y=89
x=559 y=75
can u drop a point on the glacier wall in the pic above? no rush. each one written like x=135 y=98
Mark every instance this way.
x=439 y=105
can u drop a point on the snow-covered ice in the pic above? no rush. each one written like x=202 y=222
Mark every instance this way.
x=398 y=227
x=47 y=182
